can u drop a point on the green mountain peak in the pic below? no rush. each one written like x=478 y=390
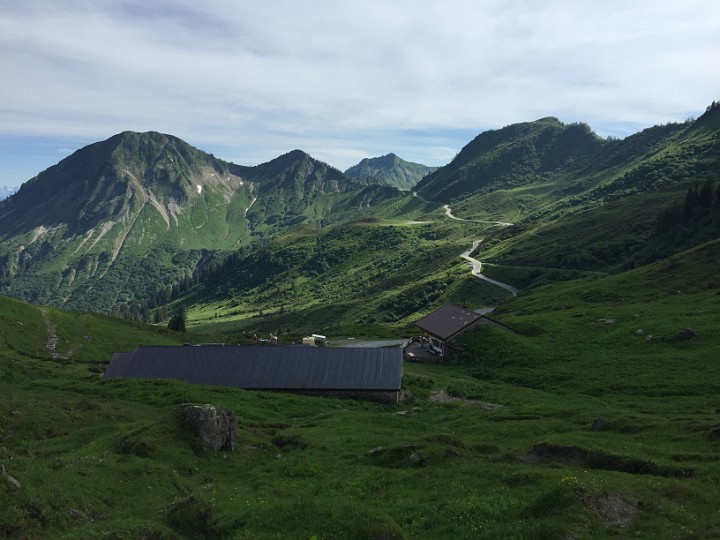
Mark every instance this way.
x=389 y=170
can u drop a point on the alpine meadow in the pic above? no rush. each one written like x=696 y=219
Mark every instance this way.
x=584 y=401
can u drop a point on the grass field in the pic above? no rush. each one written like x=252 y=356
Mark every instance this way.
x=499 y=446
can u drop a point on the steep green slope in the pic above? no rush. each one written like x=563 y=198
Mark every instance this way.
x=596 y=212
x=515 y=156
x=108 y=222
x=620 y=235
x=544 y=170
x=28 y=331
x=114 y=181
x=390 y=170
x=295 y=188
x=123 y=219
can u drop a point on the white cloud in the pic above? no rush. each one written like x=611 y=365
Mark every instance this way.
x=341 y=79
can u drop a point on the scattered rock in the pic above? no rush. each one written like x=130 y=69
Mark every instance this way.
x=648 y=338
x=35 y=512
x=76 y=514
x=409 y=412
x=448 y=440
x=578 y=315
x=639 y=332
x=217 y=429
x=402 y=456
x=686 y=334
x=440 y=396
x=288 y=442
x=611 y=509
x=605 y=320
x=12 y=481
x=452 y=453
x=599 y=424
x=253 y=447
x=131 y=445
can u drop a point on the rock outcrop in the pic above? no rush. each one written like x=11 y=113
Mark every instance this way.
x=216 y=428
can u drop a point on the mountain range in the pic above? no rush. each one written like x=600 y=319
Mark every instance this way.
x=136 y=218
x=114 y=219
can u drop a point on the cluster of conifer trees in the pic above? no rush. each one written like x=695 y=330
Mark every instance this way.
x=700 y=203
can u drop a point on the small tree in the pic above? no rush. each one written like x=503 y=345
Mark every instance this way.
x=177 y=321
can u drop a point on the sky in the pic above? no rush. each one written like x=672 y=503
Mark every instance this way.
x=341 y=80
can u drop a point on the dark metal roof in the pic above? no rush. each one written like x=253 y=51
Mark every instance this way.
x=265 y=367
x=448 y=321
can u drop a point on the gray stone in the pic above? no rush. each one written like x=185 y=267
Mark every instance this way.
x=599 y=424
x=687 y=334
x=12 y=481
x=217 y=429
x=416 y=459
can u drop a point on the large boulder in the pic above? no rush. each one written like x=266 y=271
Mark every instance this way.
x=216 y=428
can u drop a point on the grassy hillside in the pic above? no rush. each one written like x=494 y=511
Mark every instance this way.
x=545 y=170
x=369 y=276
x=115 y=219
x=500 y=446
x=624 y=234
x=579 y=203
x=26 y=330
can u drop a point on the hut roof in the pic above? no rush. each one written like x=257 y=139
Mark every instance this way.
x=264 y=367
x=448 y=321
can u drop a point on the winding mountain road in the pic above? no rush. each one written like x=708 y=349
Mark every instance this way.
x=448 y=213
x=476 y=265
x=477 y=269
